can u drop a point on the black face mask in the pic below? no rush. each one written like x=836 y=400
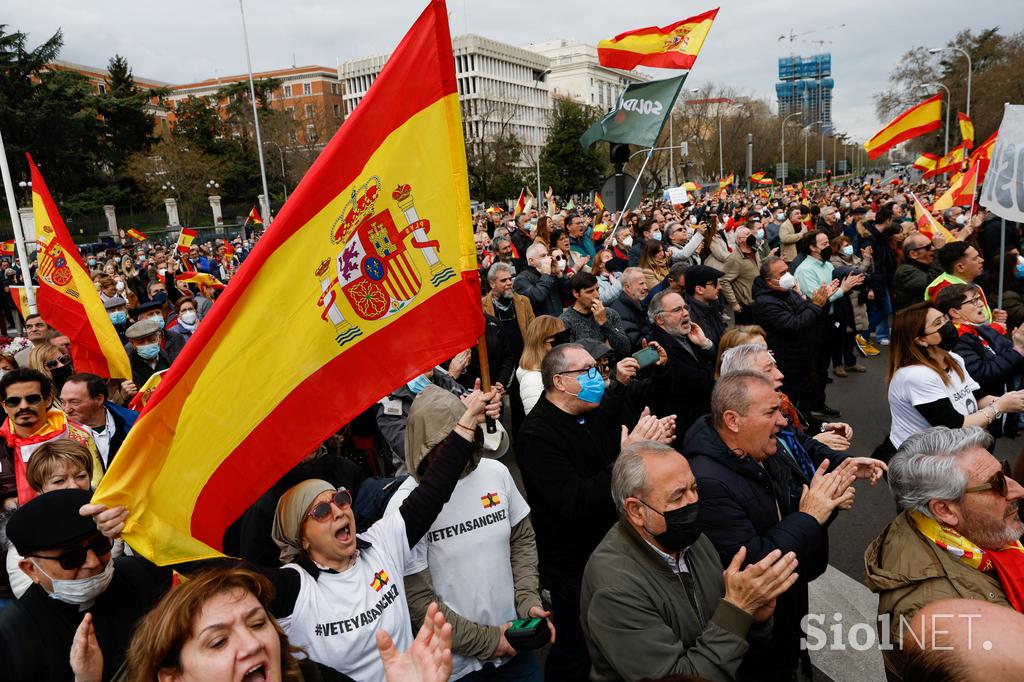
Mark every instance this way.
x=948 y=337
x=561 y=337
x=60 y=375
x=826 y=253
x=681 y=529
x=751 y=241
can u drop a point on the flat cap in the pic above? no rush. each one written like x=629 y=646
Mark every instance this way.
x=114 y=302
x=143 y=328
x=700 y=275
x=50 y=521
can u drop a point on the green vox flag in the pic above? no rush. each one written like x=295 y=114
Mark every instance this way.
x=639 y=116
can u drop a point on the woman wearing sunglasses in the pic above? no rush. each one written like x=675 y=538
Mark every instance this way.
x=336 y=589
x=928 y=383
x=53 y=362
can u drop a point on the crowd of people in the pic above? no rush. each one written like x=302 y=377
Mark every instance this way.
x=639 y=485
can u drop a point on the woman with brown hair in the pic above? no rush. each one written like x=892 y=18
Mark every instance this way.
x=654 y=263
x=740 y=335
x=929 y=385
x=544 y=332
x=542 y=235
x=217 y=625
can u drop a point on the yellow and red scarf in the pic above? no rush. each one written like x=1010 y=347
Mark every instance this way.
x=56 y=426
x=1008 y=562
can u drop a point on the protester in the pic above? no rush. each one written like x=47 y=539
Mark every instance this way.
x=630 y=306
x=186 y=318
x=512 y=311
x=961 y=264
x=738 y=274
x=84 y=398
x=589 y=319
x=544 y=333
x=653 y=263
x=791 y=232
x=38 y=333
x=915 y=272
x=541 y=282
x=702 y=301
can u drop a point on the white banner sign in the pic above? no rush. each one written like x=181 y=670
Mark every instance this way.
x=1003 y=191
x=678 y=196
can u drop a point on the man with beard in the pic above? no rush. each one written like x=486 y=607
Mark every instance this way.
x=958 y=536
x=513 y=311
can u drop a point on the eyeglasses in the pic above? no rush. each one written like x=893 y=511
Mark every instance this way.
x=974 y=301
x=591 y=372
x=321 y=511
x=926 y=247
x=942 y=321
x=996 y=483
x=62 y=361
x=75 y=558
x=15 y=400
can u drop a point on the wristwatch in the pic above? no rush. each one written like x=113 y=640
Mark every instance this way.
x=996 y=414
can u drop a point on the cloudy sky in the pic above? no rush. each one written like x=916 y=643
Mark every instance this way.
x=190 y=40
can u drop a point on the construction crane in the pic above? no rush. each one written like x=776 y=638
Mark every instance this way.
x=793 y=35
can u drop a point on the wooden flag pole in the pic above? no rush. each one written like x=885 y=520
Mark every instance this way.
x=485 y=373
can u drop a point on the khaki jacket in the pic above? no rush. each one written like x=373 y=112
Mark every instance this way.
x=524 y=310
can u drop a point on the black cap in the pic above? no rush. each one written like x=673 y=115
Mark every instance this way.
x=701 y=275
x=597 y=349
x=51 y=521
x=145 y=308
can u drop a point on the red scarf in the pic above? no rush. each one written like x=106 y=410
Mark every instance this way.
x=56 y=426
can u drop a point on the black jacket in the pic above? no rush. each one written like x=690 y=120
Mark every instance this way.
x=997 y=369
x=566 y=462
x=691 y=378
x=743 y=504
x=789 y=320
x=544 y=291
x=708 y=317
x=36 y=631
x=141 y=370
x=634 y=319
x=910 y=281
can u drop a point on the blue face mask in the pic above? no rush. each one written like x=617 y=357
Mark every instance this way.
x=1020 y=271
x=418 y=384
x=848 y=250
x=148 y=351
x=158 y=318
x=160 y=298
x=591 y=386
x=759 y=234
x=118 y=317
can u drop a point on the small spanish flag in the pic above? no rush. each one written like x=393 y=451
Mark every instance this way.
x=598 y=202
x=726 y=181
x=136 y=235
x=146 y=391
x=380 y=579
x=490 y=500
x=520 y=204
x=7 y=248
x=953 y=161
x=966 y=129
x=917 y=120
x=185 y=240
x=926 y=162
x=254 y=217
x=982 y=155
x=760 y=179
x=494 y=209
x=962 y=189
x=205 y=281
x=670 y=47
x=691 y=186
x=928 y=225
x=21 y=299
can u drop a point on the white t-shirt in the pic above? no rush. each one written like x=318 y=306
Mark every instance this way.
x=467 y=549
x=920 y=385
x=337 y=615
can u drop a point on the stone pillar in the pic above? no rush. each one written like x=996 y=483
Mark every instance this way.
x=28 y=228
x=264 y=210
x=110 y=212
x=172 y=212
x=218 y=217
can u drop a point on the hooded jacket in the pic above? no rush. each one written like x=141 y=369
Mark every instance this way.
x=435 y=416
x=908 y=571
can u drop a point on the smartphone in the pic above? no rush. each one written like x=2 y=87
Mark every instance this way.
x=646 y=357
x=528 y=633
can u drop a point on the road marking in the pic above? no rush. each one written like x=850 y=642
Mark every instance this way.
x=835 y=592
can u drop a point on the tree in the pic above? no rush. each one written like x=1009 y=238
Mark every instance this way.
x=174 y=163
x=127 y=126
x=564 y=164
x=198 y=123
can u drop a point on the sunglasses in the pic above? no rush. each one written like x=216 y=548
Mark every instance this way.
x=321 y=511
x=75 y=558
x=996 y=483
x=15 y=401
x=62 y=361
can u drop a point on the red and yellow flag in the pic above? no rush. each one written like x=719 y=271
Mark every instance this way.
x=691 y=186
x=205 y=281
x=926 y=162
x=21 y=299
x=520 y=204
x=66 y=297
x=961 y=190
x=953 y=161
x=7 y=248
x=598 y=202
x=670 y=47
x=928 y=225
x=136 y=235
x=374 y=260
x=983 y=155
x=726 y=181
x=760 y=179
x=254 y=217
x=917 y=120
x=966 y=129
x=185 y=240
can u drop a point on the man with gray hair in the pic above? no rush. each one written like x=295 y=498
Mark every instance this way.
x=958 y=536
x=654 y=599
x=630 y=306
x=542 y=281
x=915 y=272
x=512 y=311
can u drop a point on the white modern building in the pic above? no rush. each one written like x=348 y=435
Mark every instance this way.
x=577 y=74
x=502 y=90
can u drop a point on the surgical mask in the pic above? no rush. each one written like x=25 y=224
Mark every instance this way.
x=948 y=337
x=117 y=259
x=681 y=529
x=848 y=250
x=759 y=234
x=656 y=235
x=627 y=242
x=84 y=591
x=158 y=318
x=118 y=317
x=961 y=219
x=92 y=262
x=119 y=286
x=189 y=317
x=1020 y=271
x=780 y=217
x=787 y=281
x=418 y=384
x=591 y=387
x=148 y=351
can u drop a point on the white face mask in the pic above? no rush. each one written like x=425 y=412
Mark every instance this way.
x=627 y=242
x=656 y=235
x=787 y=281
x=961 y=219
x=84 y=591
x=189 y=317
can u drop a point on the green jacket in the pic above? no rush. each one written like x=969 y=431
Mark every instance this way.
x=908 y=570
x=639 y=621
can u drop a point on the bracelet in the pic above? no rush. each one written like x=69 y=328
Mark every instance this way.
x=469 y=430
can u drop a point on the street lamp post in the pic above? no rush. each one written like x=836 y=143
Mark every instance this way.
x=536 y=82
x=949 y=104
x=672 y=142
x=783 y=144
x=935 y=50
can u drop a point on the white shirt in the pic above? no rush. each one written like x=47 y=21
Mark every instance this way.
x=920 y=385
x=102 y=438
x=337 y=615
x=467 y=549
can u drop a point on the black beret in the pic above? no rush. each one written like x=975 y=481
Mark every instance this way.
x=50 y=521
x=145 y=308
x=702 y=275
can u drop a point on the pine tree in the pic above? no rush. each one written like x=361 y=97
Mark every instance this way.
x=564 y=164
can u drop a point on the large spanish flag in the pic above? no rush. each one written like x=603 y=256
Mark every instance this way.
x=966 y=129
x=370 y=270
x=962 y=189
x=670 y=47
x=917 y=120
x=66 y=297
x=928 y=225
x=983 y=155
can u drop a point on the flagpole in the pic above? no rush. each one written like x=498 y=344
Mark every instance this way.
x=19 y=234
x=255 y=117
